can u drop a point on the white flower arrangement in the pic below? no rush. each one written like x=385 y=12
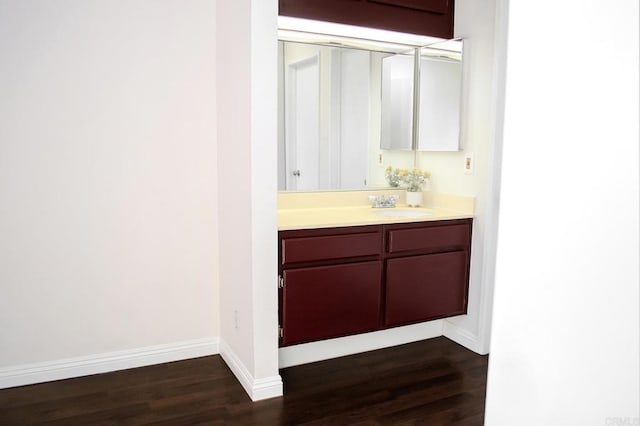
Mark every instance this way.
x=413 y=179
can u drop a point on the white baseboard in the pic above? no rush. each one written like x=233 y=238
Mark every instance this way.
x=257 y=389
x=334 y=348
x=102 y=363
x=461 y=336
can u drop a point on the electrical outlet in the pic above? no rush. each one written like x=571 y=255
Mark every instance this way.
x=380 y=158
x=235 y=318
x=468 y=163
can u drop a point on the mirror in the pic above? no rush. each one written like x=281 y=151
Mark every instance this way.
x=338 y=106
x=440 y=96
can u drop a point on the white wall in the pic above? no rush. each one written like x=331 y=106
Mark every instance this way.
x=565 y=345
x=234 y=141
x=107 y=177
x=247 y=175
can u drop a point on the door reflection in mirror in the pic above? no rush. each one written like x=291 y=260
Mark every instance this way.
x=302 y=120
x=326 y=112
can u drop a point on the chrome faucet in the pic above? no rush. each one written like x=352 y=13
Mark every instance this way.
x=383 y=201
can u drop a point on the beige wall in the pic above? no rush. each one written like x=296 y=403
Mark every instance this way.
x=475 y=23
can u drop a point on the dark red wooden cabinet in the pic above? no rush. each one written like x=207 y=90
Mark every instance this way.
x=331 y=282
x=427 y=271
x=424 y=17
x=342 y=281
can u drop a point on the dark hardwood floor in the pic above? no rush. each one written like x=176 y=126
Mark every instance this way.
x=433 y=382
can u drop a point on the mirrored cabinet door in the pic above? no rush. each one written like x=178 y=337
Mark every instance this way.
x=439 y=117
x=397 y=102
x=440 y=97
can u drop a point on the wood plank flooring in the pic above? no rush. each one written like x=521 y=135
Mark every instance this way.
x=433 y=382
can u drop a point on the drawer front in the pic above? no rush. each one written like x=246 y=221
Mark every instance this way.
x=330 y=247
x=331 y=301
x=434 y=238
x=434 y=6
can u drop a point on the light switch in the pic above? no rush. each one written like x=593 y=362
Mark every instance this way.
x=468 y=163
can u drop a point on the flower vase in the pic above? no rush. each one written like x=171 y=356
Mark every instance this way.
x=414 y=199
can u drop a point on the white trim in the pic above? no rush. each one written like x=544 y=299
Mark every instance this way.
x=494 y=182
x=269 y=387
x=342 y=346
x=461 y=336
x=257 y=389
x=102 y=363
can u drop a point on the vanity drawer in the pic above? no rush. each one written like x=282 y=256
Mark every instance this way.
x=429 y=238
x=434 y=6
x=330 y=247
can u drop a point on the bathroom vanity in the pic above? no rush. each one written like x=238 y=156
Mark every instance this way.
x=353 y=277
x=349 y=279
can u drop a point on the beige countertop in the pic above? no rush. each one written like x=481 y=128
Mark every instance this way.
x=329 y=217
x=308 y=210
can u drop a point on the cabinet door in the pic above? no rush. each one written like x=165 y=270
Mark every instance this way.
x=330 y=301
x=421 y=288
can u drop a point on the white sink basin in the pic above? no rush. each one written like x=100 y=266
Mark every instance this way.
x=401 y=213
